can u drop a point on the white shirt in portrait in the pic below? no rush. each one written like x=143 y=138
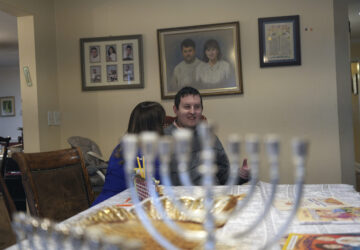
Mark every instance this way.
x=184 y=73
x=216 y=73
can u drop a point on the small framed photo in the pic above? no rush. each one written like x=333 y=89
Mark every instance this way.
x=279 y=41
x=7 y=106
x=128 y=72
x=127 y=52
x=105 y=59
x=206 y=57
x=111 y=53
x=355 y=84
x=111 y=72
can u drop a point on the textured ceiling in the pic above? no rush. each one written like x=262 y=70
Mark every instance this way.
x=354 y=18
x=9 y=55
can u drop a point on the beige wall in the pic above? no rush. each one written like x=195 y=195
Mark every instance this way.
x=298 y=100
x=343 y=82
x=29 y=95
x=355 y=51
x=356 y=118
x=37 y=49
x=355 y=57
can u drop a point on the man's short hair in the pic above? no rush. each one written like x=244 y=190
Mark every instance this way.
x=187 y=43
x=185 y=91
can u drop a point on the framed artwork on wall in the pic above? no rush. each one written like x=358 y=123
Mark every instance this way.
x=279 y=41
x=355 y=72
x=355 y=84
x=206 y=57
x=112 y=62
x=7 y=106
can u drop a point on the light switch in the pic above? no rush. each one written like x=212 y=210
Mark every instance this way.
x=57 y=118
x=50 y=118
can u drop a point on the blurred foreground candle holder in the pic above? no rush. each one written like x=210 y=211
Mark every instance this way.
x=151 y=146
x=171 y=221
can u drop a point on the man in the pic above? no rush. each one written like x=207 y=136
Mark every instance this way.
x=95 y=74
x=184 y=72
x=188 y=108
x=128 y=72
x=128 y=53
x=94 y=54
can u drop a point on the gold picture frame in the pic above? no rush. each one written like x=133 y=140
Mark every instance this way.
x=222 y=76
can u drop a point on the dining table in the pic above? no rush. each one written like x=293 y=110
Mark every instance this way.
x=270 y=224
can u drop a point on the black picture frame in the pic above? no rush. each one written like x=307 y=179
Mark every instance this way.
x=226 y=35
x=103 y=60
x=279 y=41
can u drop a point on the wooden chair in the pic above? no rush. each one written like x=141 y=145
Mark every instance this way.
x=9 y=203
x=170 y=119
x=7 y=208
x=56 y=183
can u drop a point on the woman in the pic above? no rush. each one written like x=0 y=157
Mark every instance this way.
x=212 y=70
x=111 y=54
x=146 y=116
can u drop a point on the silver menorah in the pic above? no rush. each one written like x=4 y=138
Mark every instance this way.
x=179 y=146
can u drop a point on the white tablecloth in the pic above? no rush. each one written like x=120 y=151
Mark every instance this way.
x=273 y=221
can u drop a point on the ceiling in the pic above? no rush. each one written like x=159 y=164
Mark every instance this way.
x=354 y=18
x=9 y=55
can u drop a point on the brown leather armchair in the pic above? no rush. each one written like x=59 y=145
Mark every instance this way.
x=56 y=183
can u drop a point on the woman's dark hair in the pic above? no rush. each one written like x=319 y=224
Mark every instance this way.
x=147 y=116
x=113 y=50
x=211 y=44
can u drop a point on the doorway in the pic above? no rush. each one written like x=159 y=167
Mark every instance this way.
x=354 y=19
x=11 y=123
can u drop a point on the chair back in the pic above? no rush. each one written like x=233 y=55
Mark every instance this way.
x=7 y=208
x=7 y=236
x=9 y=203
x=56 y=183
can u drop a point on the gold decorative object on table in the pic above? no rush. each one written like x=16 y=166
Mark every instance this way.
x=134 y=229
x=112 y=214
x=118 y=221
